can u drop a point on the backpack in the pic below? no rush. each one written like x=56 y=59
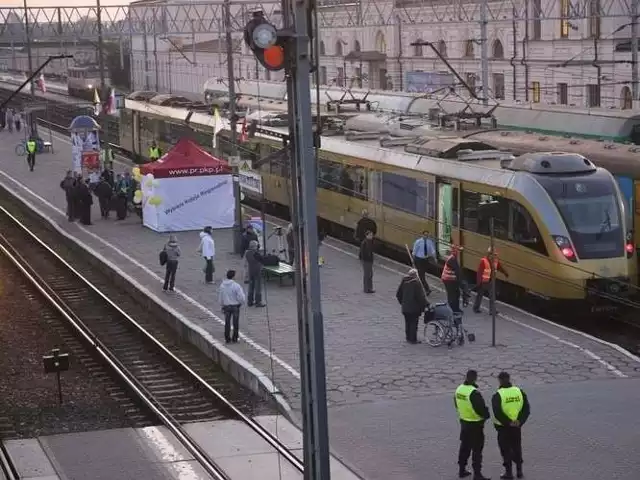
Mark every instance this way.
x=163 y=257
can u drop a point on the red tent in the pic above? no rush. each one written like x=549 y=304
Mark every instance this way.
x=186 y=159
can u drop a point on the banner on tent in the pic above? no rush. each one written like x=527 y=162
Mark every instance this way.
x=189 y=172
x=191 y=203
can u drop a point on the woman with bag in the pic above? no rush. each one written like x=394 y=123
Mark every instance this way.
x=169 y=256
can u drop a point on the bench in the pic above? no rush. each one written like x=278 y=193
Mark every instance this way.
x=47 y=147
x=280 y=271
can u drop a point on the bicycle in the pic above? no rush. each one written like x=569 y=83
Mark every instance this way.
x=443 y=326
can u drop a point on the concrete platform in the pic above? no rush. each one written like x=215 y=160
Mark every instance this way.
x=368 y=362
x=154 y=453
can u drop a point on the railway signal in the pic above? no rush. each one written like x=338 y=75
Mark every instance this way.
x=266 y=42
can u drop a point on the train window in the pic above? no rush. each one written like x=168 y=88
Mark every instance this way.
x=344 y=179
x=524 y=230
x=408 y=194
x=477 y=210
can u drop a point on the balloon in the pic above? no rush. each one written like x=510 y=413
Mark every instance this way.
x=135 y=171
x=137 y=200
x=148 y=184
x=156 y=183
x=137 y=195
x=155 y=201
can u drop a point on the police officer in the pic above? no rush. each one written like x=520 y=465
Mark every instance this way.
x=154 y=152
x=452 y=279
x=472 y=412
x=31 y=153
x=510 y=411
x=483 y=277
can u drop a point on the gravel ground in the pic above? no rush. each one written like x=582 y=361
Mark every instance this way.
x=29 y=406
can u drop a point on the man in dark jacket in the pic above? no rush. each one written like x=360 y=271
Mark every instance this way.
x=364 y=225
x=411 y=296
x=248 y=235
x=366 y=258
x=108 y=176
x=472 y=412
x=85 y=200
x=254 y=263
x=510 y=410
x=104 y=193
x=68 y=184
x=453 y=280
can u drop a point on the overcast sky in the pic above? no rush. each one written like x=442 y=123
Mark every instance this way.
x=70 y=3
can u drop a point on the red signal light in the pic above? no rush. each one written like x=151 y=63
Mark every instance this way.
x=568 y=252
x=629 y=248
x=274 y=57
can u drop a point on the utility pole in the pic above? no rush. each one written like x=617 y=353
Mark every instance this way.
x=296 y=19
x=484 y=50
x=634 y=50
x=492 y=297
x=28 y=39
x=100 y=49
x=233 y=120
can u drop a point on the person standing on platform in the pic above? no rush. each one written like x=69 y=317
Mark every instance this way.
x=9 y=119
x=452 y=279
x=255 y=261
x=472 y=412
x=85 y=200
x=154 y=152
x=32 y=147
x=107 y=175
x=364 y=225
x=483 y=277
x=510 y=412
x=122 y=193
x=248 y=236
x=207 y=249
x=67 y=184
x=411 y=296
x=173 y=256
x=104 y=192
x=366 y=258
x=231 y=297
x=423 y=251
x=291 y=249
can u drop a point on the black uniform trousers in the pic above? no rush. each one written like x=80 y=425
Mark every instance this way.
x=31 y=160
x=421 y=266
x=510 y=444
x=471 y=444
x=453 y=295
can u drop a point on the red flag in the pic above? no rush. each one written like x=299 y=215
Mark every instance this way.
x=244 y=135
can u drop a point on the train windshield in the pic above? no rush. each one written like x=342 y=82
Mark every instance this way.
x=591 y=211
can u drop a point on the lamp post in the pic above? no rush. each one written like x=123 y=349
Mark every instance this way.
x=490 y=206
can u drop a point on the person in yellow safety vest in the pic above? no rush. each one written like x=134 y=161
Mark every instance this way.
x=154 y=152
x=32 y=146
x=483 y=277
x=452 y=279
x=472 y=412
x=510 y=411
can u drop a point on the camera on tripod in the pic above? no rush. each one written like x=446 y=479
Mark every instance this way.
x=278 y=231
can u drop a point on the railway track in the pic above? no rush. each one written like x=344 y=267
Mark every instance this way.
x=173 y=381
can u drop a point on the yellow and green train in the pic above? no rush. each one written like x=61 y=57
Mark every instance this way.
x=561 y=225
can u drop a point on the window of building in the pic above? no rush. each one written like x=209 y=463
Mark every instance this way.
x=498 y=50
x=442 y=48
x=593 y=95
x=409 y=194
x=417 y=49
x=358 y=75
x=565 y=6
x=563 y=94
x=344 y=179
x=471 y=80
x=267 y=75
x=339 y=48
x=594 y=18
x=322 y=48
x=536 y=24
x=498 y=86
x=469 y=49
x=340 y=77
x=626 y=98
x=323 y=75
x=356 y=46
x=535 y=89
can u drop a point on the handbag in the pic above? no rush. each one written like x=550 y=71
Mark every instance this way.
x=163 y=257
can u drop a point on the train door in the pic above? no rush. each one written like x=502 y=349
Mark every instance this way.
x=447 y=226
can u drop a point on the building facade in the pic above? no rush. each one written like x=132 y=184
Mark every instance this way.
x=574 y=53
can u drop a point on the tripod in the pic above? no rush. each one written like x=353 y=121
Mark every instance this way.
x=281 y=250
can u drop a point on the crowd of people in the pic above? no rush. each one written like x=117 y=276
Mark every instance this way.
x=114 y=193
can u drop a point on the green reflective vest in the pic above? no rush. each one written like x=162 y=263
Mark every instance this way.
x=31 y=146
x=511 y=401
x=154 y=153
x=463 y=404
